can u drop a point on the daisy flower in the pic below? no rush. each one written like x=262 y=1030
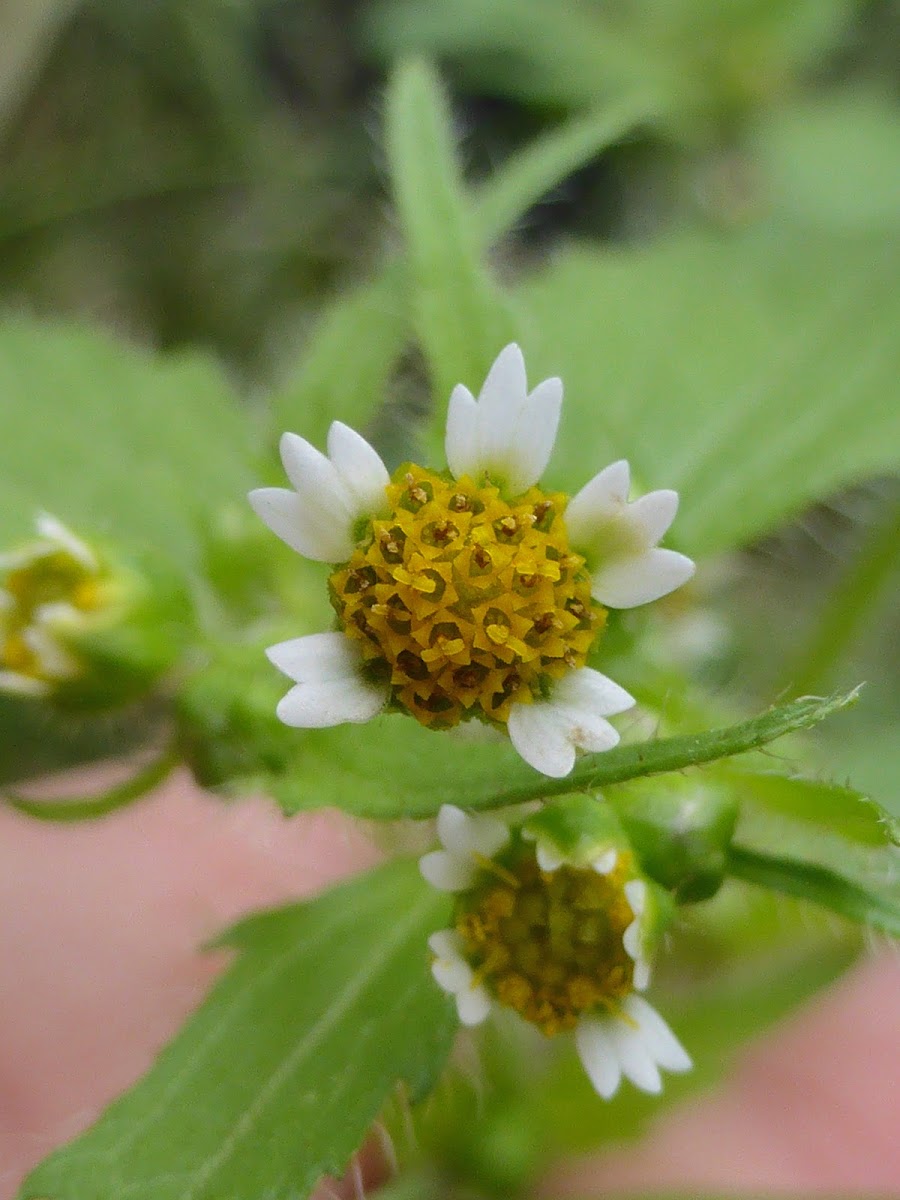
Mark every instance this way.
x=562 y=937
x=471 y=592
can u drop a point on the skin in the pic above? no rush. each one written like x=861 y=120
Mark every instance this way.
x=101 y=924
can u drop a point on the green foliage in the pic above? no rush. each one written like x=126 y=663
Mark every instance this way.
x=842 y=811
x=88 y=808
x=114 y=442
x=277 y=1077
x=752 y=373
x=393 y=767
x=879 y=908
x=458 y=313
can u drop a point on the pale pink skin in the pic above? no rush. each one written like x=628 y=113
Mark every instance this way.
x=98 y=945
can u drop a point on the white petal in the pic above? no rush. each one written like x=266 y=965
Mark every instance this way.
x=598 y=1056
x=465 y=835
x=450 y=969
x=629 y=582
x=312 y=532
x=631 y=940
x=541 y=737
x=634 y=1056
x=636 y=895
x=63 y=538
x=606 y=862
x=54 y=660
x=548 y=857
x=447 y=872
x=316 y=658
x=473 y=1005
x=22 y=685
x=505 y=385
x=321 y=705
x=658 y=1037
x=445 y=943
x=588 y=689
x=640 y=976
x=535 y=436
x=360 y=467
x=327 y=502
x=601 y=500
x=461 y=443
x=654 y=513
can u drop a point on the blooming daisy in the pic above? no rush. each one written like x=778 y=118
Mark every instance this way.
x=562 y=938
x=471 y=592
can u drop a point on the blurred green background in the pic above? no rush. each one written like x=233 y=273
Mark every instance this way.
x=215 y=175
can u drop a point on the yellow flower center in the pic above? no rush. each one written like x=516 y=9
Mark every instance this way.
x=54 y=577
x=549 y=944
x=466 y=602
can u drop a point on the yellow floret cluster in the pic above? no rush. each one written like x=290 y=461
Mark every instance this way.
x=549 y=944
x=52 y=577
x=466 y=602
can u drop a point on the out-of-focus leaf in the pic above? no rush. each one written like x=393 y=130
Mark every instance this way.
x=458 y=313
x=349 y=357
x=113 y=441
x=392 y=767
x=835 y=160
x=878 y=907
x=754 y=373
x=838 y=810
x=277 y=1077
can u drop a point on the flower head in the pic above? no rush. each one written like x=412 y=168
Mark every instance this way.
x=53 y=584
x=562 y=936
x=463 y=594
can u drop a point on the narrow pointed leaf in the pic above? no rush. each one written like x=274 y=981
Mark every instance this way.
x=278 y=1076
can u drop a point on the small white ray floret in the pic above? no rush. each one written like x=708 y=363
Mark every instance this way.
x=455 y=976
x=619 y=539
x=508 y=431
x=634 y=1043
x=466 y=840
x=634 y=939
x=331 y=689
x=548 y=732
x=331 y=494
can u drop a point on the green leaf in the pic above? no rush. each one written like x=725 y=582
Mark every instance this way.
x=754 y=372
x=829 y=806
x=393 y=767
x=113 y=441
x=458 y=313
x=345 y=367
x=866 y=905
x=834 y=160
x=530 y=174
x=278 y=1076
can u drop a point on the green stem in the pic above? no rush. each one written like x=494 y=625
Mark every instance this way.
x=87 y=808
x=817 y=885
x=849 y=604
x=674 y=754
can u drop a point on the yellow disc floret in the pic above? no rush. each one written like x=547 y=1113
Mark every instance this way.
x=549 y=944
x=466 y=602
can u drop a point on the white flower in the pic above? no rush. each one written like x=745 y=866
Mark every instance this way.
x=507 y=432
x=465 y=840
x=331 y=494
x=548 y=732
x=619 y=539
x=455 y=976
x=331 y=688
x=501 y=440
x=635 y=1043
